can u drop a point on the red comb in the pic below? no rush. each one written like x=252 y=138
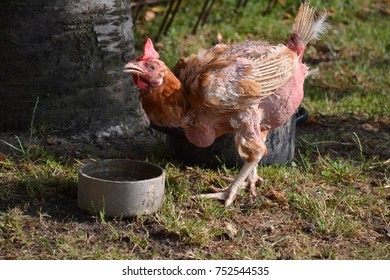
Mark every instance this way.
x=149 y=51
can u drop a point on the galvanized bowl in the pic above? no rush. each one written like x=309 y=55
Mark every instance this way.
x=121 y=188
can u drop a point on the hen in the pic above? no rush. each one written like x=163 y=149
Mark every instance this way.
x=246 y=89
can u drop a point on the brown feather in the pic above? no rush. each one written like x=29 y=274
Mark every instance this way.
x=166 y=105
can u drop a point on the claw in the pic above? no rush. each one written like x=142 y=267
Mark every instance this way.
x=216 y=195
x=227 y=179
x=213 y=189
x=228 y=196
x=248 y=172
x=253 y=178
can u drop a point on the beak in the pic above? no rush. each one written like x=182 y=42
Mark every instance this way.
x=133 y=68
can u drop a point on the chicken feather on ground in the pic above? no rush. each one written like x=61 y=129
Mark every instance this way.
x=245 y=89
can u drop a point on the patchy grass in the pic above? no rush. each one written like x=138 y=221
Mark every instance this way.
x=331 y=203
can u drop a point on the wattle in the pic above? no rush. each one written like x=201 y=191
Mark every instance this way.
x=141 y=83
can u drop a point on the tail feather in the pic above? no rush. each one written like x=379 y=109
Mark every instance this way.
x=309 y=26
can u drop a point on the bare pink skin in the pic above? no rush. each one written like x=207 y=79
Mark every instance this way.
x=280 y=107
x=276 y=109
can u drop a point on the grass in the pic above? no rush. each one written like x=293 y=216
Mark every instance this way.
x=332 y=202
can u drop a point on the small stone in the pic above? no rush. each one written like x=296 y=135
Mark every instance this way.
x=52 y=140
x=231 y=230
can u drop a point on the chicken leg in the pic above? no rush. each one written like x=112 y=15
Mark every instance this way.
x=248 y=175
x=248 y=172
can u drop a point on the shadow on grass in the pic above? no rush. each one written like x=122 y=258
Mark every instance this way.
x=347 y=136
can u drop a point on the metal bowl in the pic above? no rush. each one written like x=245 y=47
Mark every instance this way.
x=121 y=188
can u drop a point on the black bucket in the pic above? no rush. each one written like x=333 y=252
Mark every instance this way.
x=280 y=144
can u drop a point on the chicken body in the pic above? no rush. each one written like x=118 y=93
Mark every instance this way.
x=245 y=89
x=251 y=83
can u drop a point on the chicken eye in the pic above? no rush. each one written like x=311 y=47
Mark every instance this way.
x=152 y=67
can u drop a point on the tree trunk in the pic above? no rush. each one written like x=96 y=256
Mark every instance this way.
x=69 y=54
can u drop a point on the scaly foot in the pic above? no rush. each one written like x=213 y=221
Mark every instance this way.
x=249 y=183
x=247 y=177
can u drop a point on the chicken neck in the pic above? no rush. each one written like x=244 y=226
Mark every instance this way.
x=165 y=105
